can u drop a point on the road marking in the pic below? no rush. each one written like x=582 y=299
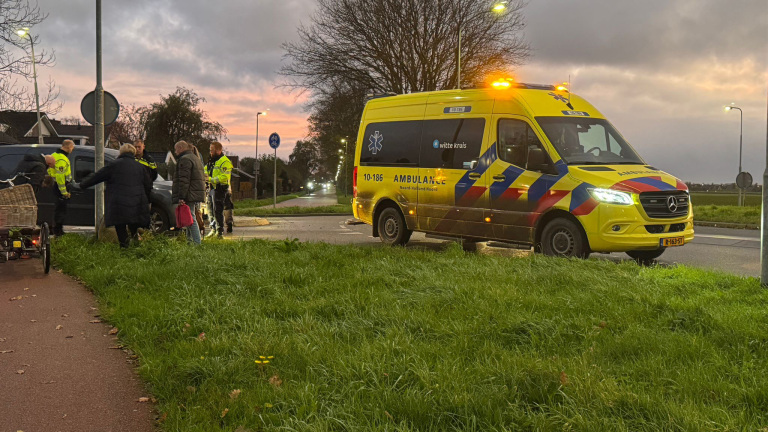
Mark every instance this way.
x=723 y=237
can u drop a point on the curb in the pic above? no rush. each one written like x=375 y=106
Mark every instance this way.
x=300 y=215
x=726 y=225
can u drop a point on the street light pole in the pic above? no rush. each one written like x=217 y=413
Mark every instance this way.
x=99 y=131
x=498 y=7
x=22 y=33
x=256 y=160
x=344 y=158
x=764 y=224
x=741 y=139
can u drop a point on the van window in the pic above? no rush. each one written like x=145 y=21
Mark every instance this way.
x=391 y=144
x=517 y=141
x=84 y=167
x=8 y=165
x=453 y=143
x=583 y=141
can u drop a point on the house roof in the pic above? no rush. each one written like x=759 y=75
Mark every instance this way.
x=19 y=123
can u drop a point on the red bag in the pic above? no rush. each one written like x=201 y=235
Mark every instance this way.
x=183 y=216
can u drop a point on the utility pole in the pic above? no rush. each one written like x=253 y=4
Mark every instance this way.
x=764 y=224
x=99 y=132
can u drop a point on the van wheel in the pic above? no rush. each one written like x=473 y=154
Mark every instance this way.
x=392 y=228
x=563 y=238
x=645 y=257
x=158 y=221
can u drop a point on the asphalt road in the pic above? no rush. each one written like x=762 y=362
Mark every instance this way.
x=729 y=250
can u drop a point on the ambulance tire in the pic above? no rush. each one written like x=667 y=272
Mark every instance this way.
x=392 y=228
x=645 y=257
x=564 y=238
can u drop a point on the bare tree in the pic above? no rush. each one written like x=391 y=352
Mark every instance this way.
x=404 y=46
x=16 y=63
x=131 y=125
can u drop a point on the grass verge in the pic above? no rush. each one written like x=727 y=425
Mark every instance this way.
x=724 y=199
x=405 y=340
x=251 y=203
x=269 y=211
x=729 y=214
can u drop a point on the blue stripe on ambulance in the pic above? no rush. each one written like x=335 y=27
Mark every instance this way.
x=466 y=183
x=511 y=174
x=580 y=195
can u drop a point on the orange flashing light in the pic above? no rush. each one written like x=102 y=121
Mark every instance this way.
x=411 y=212
x=502 y=83
x=488 y=219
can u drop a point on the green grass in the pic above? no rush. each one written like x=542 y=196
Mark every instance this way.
x=268 y=211
x=724 y=199
x=251 y=203
x=396 y=339
x=729 y=214
x=346 y=200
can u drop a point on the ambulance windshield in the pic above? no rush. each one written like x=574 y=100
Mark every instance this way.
x=588 y=141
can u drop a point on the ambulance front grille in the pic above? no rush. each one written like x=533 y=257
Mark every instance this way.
x=665 y=205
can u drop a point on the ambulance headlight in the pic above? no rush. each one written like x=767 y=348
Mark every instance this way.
x=609 y=196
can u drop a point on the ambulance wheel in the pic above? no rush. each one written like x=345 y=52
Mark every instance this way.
x=392 y=228
x=564 y=238
x=645 y=257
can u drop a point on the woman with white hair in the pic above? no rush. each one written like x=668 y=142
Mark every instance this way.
x=127 y=194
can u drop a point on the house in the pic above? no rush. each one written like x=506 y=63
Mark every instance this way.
x=18 y=127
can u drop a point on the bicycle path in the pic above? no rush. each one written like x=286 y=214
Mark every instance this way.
x=58 y=370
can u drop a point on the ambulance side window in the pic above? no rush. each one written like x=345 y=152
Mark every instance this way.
x=518 y=144
x=451 y=143
x=391 y=144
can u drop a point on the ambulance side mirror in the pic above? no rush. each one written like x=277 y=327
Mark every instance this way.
x=538 y=161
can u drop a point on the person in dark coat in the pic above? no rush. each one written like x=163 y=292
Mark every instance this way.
x=34 y=168
x=189 y=184
x=127 y=194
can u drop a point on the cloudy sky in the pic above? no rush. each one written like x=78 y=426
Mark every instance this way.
x=661 y=70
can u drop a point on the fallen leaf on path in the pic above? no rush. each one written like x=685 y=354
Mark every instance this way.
x=6 y=352
x=93 y=308
x=20 y=372
x=26 y=289
x=94 y=321
x=3 y=339
x=69 y=337
x=64 y=315
x=16 y=298
x=116 y=347
x=201 y=336
x=59 y=327
x=32 y=320
x=114 y=331
x=223 y=413
x=143 y=399
x=34 y=295
x=234 y=394
x=163 y=417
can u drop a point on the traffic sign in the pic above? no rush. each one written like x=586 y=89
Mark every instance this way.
x=274 y=140
x=88 y=108
x=744 y=180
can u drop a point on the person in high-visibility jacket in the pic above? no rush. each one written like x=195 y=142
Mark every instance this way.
x=145 y=159
x=219 y=171
x=62 y=174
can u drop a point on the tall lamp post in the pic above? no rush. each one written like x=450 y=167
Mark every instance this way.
x=741 y=136
x=24 y=33
x=499 y=7
x=344 y=159
x=256 y=160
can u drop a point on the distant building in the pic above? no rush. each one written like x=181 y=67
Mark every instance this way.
x=18 y=127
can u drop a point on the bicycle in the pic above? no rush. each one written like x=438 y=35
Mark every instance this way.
x=20 y=235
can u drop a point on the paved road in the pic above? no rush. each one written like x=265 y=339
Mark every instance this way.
x=729 y=250
x=321 y=197
x=57 y=371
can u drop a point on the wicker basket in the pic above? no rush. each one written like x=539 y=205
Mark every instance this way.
x=22 y=195
x=18 y=216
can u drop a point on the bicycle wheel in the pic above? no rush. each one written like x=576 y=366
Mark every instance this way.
x=45 y=247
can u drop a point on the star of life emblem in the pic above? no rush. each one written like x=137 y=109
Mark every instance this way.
x=375 y=142
x=558 y=97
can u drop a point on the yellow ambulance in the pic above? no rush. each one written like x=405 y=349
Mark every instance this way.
x=520 y=163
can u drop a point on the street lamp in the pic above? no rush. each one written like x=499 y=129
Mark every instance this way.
x=24 y=33
x=741 y=136
x=498 y=7
x=256 y=160
x=344 y=141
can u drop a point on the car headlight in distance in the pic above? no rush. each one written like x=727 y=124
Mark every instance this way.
x=610 y=196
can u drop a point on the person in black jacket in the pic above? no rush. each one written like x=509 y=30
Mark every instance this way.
x=127 y=194
x=34 y=168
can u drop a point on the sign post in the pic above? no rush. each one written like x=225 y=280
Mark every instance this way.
x=274 y=142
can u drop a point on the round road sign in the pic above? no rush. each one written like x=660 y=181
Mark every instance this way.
x=744 y=180
x=274 y=140
x=88 y=108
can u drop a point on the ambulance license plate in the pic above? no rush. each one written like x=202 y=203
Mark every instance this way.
x=673 y=241
x=17 y=244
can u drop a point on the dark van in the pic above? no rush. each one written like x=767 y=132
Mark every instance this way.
x=81 y=210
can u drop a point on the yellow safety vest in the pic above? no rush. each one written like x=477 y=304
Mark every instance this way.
x=61 y=171
x=222 y=172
